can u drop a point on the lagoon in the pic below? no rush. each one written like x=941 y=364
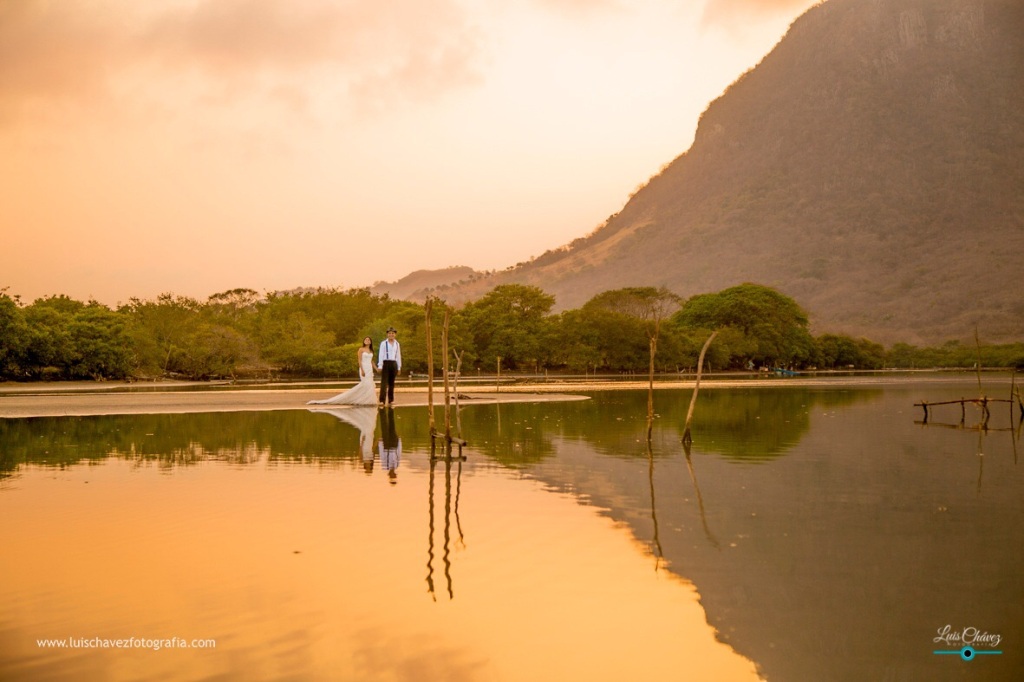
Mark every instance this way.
x=812 y=532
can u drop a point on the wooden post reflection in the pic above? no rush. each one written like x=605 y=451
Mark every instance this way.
x=700 y=499
x=430 y=526
x=654 y=514
x=981 y=457
x=1014 y=440
x=458 y=520
x=449 y=512
x=448 y=524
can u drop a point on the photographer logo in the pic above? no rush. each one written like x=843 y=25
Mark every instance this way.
x=970 y=642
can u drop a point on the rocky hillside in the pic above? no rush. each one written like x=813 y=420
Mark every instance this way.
x=871 y=167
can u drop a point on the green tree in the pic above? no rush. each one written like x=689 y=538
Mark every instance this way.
x=593 y=338
x=650 y=306
x=14 y=338
x=773 y=323
x=50 y=351
x=162 y=330
x=643 y=307
x=838 y=351
x=216 y=350
x=101 y=346
x=68 y=339
x=347 y=313
x=511 y=321
x=298 y=344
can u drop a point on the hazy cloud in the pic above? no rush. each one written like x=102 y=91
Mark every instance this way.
x=578 y=6
x=48 y=55
x=277 y=50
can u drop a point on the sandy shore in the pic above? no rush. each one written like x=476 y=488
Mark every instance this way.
x=111 y=401
x=89 y=398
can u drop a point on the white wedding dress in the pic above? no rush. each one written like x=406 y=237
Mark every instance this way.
x=363 y=393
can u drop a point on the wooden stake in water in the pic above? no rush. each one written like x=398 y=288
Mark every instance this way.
x=977 y=365
x=696 y=387
x=455 y=390
x=427 y=306
x=444 y=368
x=650 y=387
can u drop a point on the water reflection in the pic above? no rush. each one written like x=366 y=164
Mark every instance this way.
x=296 y=589
x=854 y=538
x=841 y=560
x=390 y=445
x=744 y=425
x=654 y=508
x=687 y=447
x=985 y=430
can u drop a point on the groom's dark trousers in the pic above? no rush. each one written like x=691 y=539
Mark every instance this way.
x=387 y=380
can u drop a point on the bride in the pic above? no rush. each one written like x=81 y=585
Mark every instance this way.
x=363 y=393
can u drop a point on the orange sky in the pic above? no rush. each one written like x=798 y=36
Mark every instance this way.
x=195 y=146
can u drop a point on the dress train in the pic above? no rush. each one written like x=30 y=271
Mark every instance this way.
x=363 y=393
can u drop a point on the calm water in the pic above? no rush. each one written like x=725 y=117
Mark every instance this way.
x=811 y=534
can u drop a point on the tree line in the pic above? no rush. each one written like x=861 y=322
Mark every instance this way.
x=241 y=333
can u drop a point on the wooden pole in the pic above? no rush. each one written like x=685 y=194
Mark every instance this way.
x=458 y=371
x=430 y=367
x=650 y=387
x=444 y=367
x=497 y=387
x=977 y=365
x=696 y=387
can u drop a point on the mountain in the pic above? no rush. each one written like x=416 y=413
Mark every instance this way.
x=871 y=167
x=417 y=285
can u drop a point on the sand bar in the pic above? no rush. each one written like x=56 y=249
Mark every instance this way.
x=80 y=404
x=90 y=398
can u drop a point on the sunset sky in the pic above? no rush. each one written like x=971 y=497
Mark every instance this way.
x=194 y=146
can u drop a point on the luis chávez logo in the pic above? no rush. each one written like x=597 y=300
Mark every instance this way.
x=971 y=642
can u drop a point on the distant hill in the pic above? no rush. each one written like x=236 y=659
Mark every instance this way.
x=871 y=167
x=417 y=285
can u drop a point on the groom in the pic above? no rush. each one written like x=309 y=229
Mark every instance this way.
x=389 y=362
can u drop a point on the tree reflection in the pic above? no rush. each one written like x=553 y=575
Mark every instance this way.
x=742 y=424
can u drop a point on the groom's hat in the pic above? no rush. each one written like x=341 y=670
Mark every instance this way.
x=391 y=329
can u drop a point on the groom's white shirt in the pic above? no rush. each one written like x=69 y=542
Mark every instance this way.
x=389 y=351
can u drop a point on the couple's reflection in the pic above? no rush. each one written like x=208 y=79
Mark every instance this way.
x=389 y=447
